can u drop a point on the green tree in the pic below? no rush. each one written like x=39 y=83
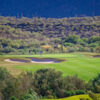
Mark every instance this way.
x=74 y=83
x=94 y=96
x=94 y=85
x=13 y=98
x=31 y=95
x=4 y=74
x=72 y=39
x=49 y=82
x=97 y=49
x=12 y=88
x=94 y=39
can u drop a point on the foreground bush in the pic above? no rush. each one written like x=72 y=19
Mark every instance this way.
x=94 y=84
x=31 y=95
x=94 y=96
x=14 y=88
x=74 y=83
x=47 y=83
x=72 y=93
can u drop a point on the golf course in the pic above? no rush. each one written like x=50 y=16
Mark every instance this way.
x=50 y=50
x=84 y=65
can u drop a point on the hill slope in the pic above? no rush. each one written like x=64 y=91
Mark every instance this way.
x=20 y=34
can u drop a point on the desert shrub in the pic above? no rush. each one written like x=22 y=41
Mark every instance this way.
x=4 y=77
x=70 y=93
x=31 y=95
x=25 y=85
x=49 y=82
x=84 y=49
x=71 y=49
x=1 y=98
x=94 y=85
x=97 y=49
x=74 y=92
x=72 y=39
x=94 y=45
x=74 y=83
x=13 y=98
x=4 y=74
x=68 y=44
x=77 y=92
x=94 y=96
x=12 y=88
x=94 y=39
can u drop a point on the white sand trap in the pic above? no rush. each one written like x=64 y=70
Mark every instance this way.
x=49 y=62
x=9 y=60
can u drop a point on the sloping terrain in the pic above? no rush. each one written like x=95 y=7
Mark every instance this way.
x=30 y=35
x=24 y=27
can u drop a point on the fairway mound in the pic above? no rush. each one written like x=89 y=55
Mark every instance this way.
x=16 y=60
x=45 y=60
x=96 y=56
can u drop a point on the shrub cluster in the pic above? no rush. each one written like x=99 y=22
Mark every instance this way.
x=44 y=83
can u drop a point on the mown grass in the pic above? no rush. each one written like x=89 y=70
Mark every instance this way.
x=73 y=98
x=83 y=65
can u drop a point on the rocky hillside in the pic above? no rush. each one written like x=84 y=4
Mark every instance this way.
x=24 y=27
x=44 y=31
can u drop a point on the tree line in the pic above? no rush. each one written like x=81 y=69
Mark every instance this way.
x=71 y=43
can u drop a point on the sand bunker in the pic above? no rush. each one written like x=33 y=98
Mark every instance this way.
x=16 y=60
x=45 y=60
x=96 y=56
x=35 y=60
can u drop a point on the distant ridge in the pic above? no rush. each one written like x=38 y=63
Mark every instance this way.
x=31 y=34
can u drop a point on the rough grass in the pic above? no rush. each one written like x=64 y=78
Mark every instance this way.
x=73 y=98
x=83 y=65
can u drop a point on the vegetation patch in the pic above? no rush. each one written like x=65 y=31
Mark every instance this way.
x=47 y=84
x=41 y=35
x=96 y=56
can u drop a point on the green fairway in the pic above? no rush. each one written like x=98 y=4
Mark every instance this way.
x=73 y=98
x=84 y=66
